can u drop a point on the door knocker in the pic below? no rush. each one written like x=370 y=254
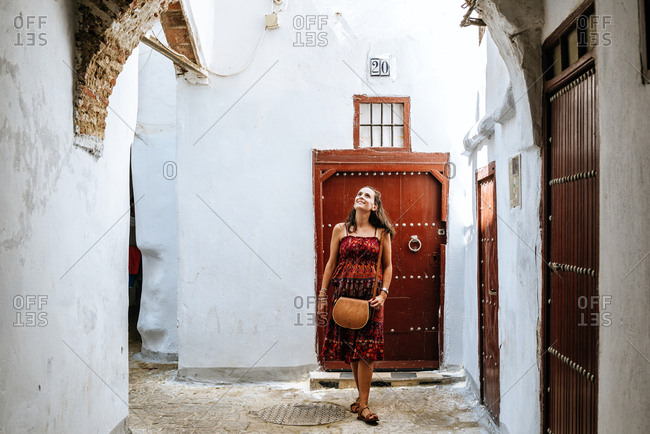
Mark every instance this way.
x=414 y=238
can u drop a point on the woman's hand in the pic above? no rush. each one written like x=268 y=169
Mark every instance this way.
x=378 y=302
x=322 y=310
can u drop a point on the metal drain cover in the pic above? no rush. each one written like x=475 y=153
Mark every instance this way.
x=303 y=414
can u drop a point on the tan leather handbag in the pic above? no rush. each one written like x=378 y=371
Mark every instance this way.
x=354 y=313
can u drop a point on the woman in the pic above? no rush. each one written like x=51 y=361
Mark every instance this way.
x=351 y=268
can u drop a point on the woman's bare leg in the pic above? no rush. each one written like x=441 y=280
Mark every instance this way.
x=364 y=374
x=355 y=372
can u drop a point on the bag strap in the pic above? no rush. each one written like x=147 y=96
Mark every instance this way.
x=381 y=250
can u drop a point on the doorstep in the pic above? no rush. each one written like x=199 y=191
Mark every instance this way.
x=345 y=380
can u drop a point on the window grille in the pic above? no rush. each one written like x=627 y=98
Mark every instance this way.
x=381 y=125
x=382 y=122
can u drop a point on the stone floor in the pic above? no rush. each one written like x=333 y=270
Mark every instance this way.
x=161 y=404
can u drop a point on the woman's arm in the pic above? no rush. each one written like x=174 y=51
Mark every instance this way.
x=387 y=262
x=387 y=265
x=334 y=255
x=337 y=234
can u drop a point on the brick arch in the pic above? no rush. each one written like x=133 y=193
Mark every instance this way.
x=178 y=33
x=106 y=34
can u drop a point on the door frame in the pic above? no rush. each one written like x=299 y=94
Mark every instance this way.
x=481 y=174
x=326 y=163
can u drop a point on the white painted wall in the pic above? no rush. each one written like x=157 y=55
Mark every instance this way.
x=624 y=345
x=555 y=11
x=246 y=223
x=154 y=190
x=64 y=236
x=519 y=247
x=472 y=162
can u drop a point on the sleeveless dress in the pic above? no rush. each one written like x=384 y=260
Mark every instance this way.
x=354 y=277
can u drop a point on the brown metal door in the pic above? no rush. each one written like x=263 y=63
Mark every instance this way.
x=414 y=202
x=572 y=310
x=488 y=289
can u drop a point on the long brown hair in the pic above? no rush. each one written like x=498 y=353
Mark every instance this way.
x=378 y=218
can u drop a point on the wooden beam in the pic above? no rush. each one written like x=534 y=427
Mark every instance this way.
x=175 y=57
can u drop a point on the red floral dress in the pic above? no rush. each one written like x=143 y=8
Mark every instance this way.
x=354 y=277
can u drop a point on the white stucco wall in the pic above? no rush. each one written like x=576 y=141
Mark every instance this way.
x=519 y=247
x=556 y=11
x=154 y=189
x=247 y=253
x=624 y=270
x=467 y=300
x=64 y=238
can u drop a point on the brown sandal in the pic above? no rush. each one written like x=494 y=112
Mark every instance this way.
x=354 y=407
x=372 y=418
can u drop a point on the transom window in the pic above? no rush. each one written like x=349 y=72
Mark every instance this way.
x=573 y=40
x=381 y=122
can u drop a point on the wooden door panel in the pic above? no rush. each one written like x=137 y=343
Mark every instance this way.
x=400 y=307
x=488 y=290
x=431 y=345
x=413 y=201
x=571 y=248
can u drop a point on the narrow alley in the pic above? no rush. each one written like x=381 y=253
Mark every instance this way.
x=160 y=404
x=401 y=216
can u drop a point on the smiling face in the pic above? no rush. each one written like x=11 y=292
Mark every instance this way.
x=365 y=200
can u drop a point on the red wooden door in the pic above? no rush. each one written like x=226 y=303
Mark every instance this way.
x=488 y=289
x=572 y=314
x=414 y=202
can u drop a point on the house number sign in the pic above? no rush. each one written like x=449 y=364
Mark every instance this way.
x=379 y=67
